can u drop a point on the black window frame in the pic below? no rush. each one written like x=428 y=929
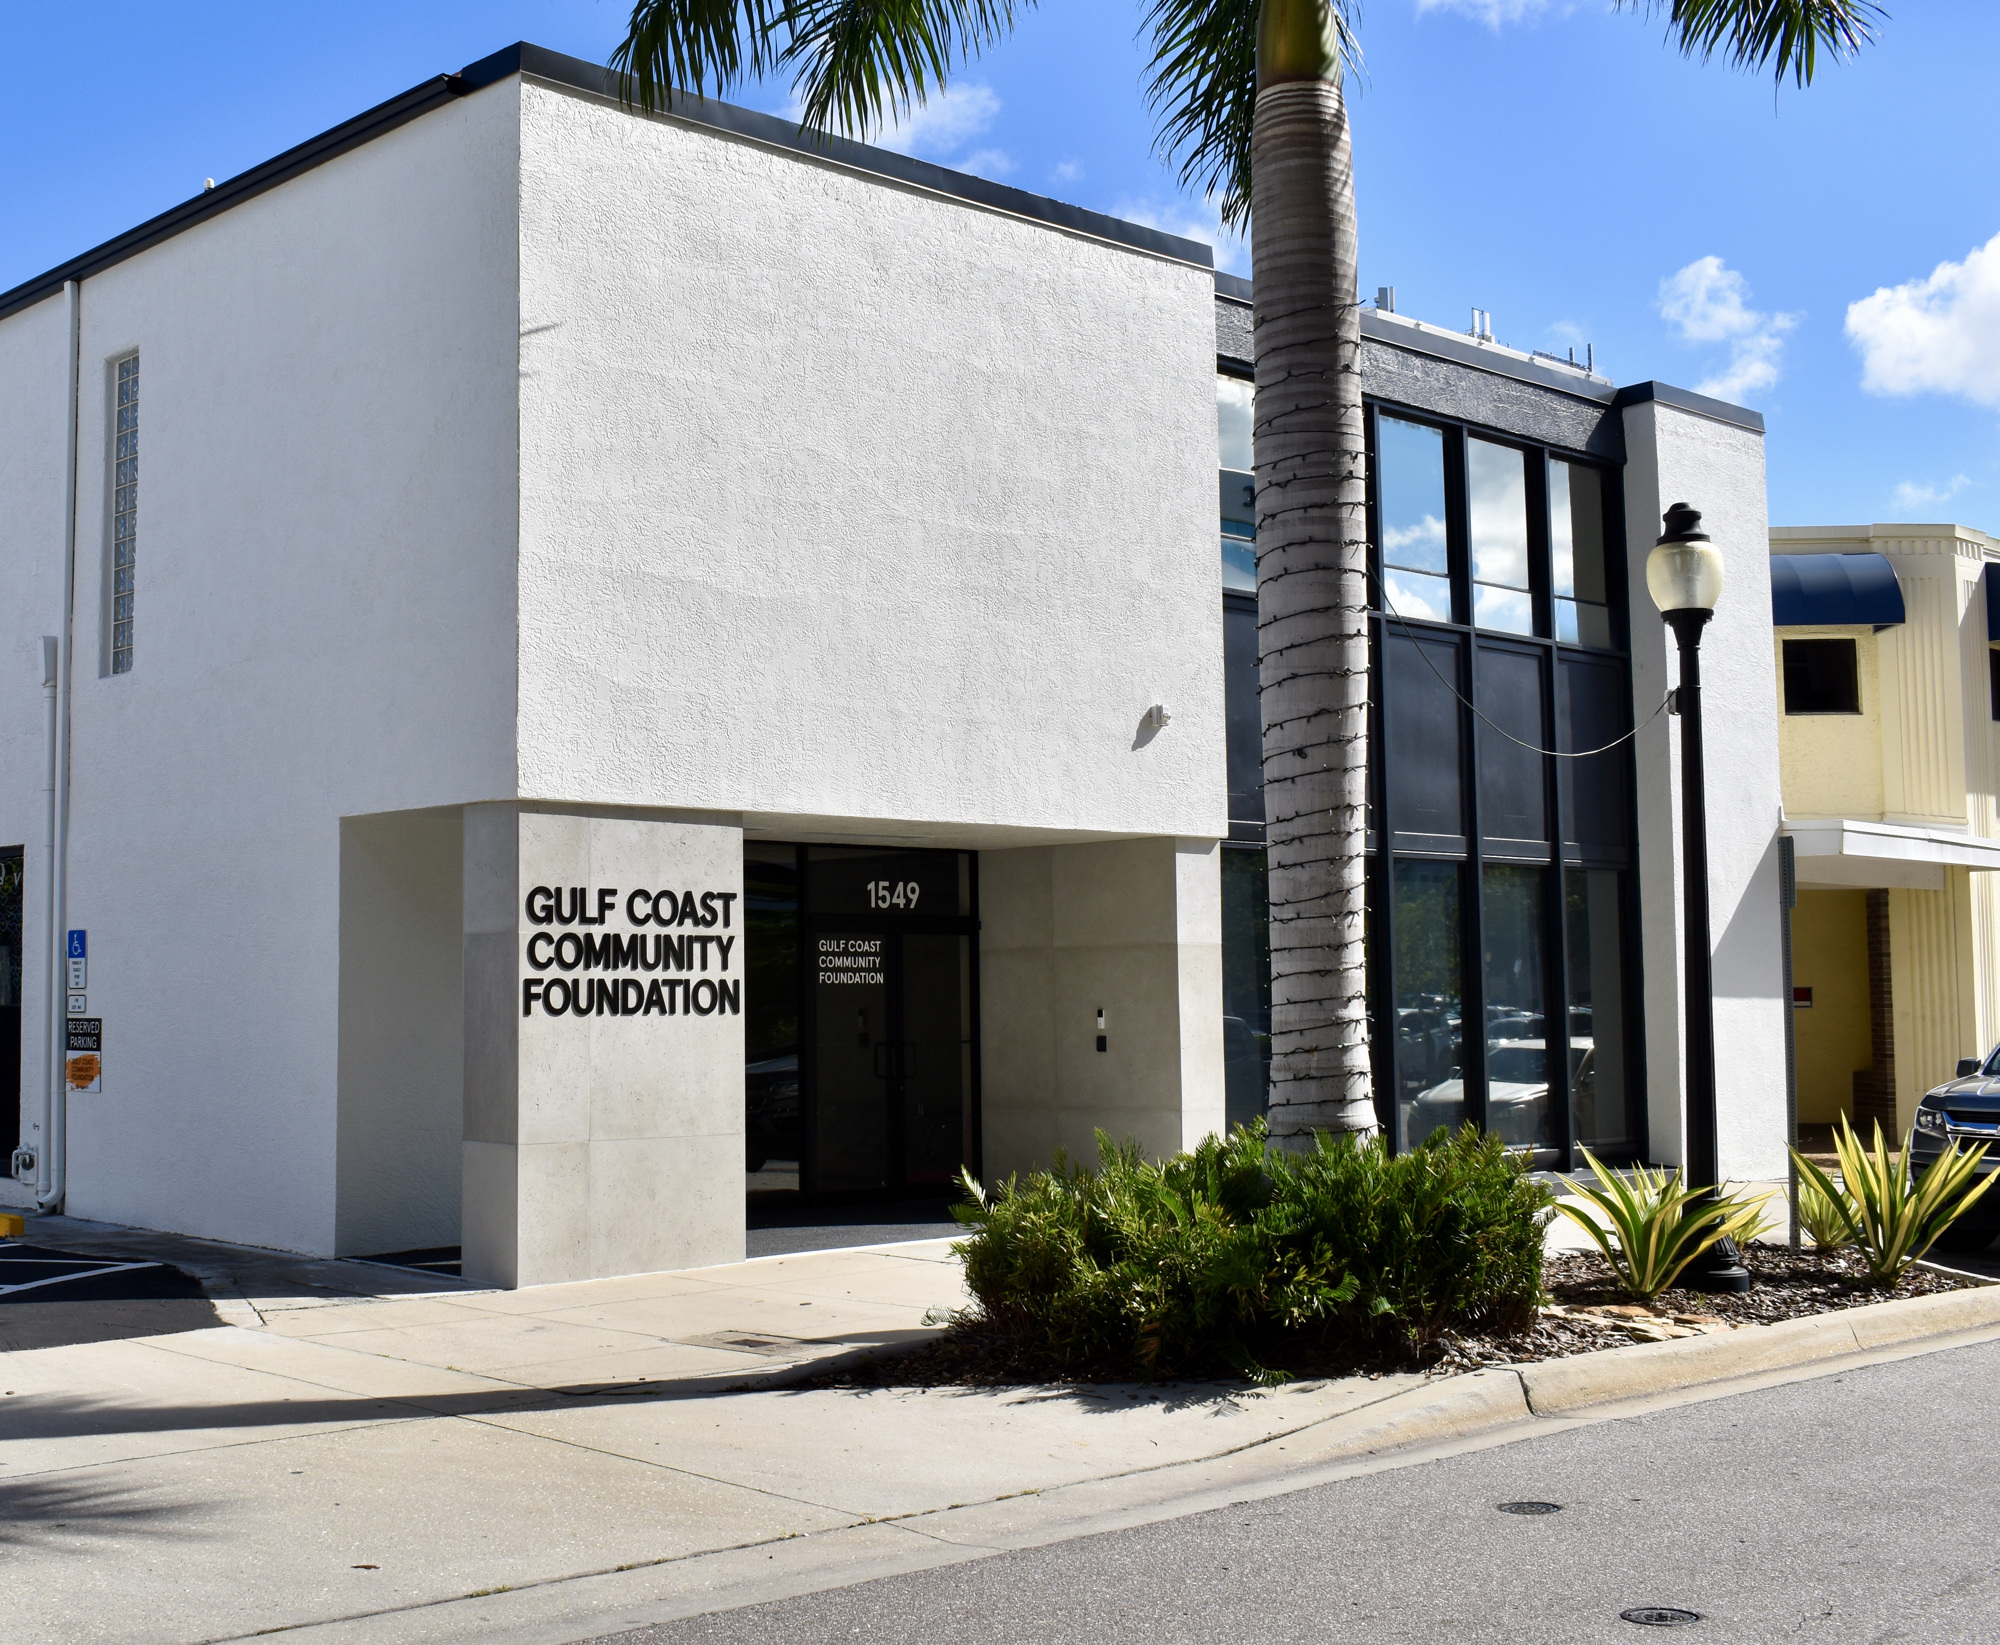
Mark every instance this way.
x=1807 y=647
x=1560 y=854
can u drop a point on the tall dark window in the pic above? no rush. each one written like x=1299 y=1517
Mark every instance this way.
x=1500 y=877
x=1821 y=677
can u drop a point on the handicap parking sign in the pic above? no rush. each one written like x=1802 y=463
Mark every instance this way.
x=76 y=946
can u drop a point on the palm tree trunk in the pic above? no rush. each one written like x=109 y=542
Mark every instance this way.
x=1312 y=559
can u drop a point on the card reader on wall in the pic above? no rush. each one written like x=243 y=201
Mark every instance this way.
x=1102 y=1045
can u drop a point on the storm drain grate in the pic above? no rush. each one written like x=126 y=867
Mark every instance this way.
x=1531 y=1507
x=1660 y=1616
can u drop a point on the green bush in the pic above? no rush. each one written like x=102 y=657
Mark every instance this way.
x=1240 y=1254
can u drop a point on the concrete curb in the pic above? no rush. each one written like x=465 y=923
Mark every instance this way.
x=1555 y=1387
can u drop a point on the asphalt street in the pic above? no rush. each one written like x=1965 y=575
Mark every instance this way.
x=1862 y=1506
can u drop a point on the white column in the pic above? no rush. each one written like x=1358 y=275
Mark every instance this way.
x=1678 y=455
x=604 y=962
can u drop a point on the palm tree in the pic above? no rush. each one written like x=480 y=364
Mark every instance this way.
x=1248 y=94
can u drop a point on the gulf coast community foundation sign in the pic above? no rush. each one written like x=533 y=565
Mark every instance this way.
x=676 y=956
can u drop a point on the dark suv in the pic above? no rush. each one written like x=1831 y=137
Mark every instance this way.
x=1963 y=1111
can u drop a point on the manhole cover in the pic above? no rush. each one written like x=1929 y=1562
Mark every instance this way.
x=1660 y=1616
x=1531 y=1507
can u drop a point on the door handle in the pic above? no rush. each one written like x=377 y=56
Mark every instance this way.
x=882 y=1059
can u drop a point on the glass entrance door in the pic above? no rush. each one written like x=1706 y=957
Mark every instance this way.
x=870 y=952
x=892 y=1059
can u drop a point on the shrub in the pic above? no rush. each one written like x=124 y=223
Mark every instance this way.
x=1240 y=1251
x=1896 y=1216
x=1657 y=1227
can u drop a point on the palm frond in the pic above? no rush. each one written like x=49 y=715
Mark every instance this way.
x=856 y=65
x=691 y=45
x=1756 y=34
x=863 y=64
x=1201 y=87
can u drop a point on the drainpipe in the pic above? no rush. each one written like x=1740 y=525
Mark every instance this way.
x=51 y=1176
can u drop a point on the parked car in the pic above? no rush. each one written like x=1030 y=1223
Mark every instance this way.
x=1962 y=1111
x=1517 y=1095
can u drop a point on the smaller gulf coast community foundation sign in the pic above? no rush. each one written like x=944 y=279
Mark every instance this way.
x=675 y=957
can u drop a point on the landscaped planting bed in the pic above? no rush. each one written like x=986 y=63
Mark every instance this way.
x=1243 y=1261
x=1586 y=1312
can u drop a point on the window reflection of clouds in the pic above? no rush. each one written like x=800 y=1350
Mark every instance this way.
x=1562 y=541
x=1235 y=402
x=1499 y=514
x=1576 y=554
x=1410 y=487
x=1418 y=597
x=1505 y=609
x=1420 y=547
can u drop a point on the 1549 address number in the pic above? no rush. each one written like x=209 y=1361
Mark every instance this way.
x=893 y=893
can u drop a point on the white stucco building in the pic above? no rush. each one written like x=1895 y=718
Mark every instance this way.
x=606 y=650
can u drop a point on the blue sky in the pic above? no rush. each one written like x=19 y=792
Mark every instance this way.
x=1822 y=256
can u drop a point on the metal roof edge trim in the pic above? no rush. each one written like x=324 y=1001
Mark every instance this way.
x=578 y=74
x=1682 y=399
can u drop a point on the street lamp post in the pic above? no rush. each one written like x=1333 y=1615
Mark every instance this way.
x=1684 y=576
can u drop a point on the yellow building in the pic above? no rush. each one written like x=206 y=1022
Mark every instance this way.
x=1889 y=744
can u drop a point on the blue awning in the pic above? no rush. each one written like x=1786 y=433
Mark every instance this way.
x=1815 y=590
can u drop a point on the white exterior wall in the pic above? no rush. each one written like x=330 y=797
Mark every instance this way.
x=324 y=628
x=853 y=508
x=34 y=372
x=493 y=406
x=1680 y=456
x=1129 y=928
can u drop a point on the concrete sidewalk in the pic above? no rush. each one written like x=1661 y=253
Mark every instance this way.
x=332 y=1460
x=341 y=1463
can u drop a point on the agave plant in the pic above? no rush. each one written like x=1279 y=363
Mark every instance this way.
x=1896 y=1215
x=1824 y=1218
x=1657 y=1226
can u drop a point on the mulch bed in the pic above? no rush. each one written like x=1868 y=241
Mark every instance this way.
x=1587 y=1312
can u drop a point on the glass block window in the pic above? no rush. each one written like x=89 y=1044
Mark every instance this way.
x=124 y=513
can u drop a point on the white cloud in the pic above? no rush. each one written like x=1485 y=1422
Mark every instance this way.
x=1191 y=222
x=995 y=163
x=945 y=124
x=938 y=129
x=1068 y=171
x=1911 y=495
x=1495 y=14
x=1709 y=302
x=1940 y=334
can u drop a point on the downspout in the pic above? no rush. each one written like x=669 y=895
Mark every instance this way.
x=53 y=1164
